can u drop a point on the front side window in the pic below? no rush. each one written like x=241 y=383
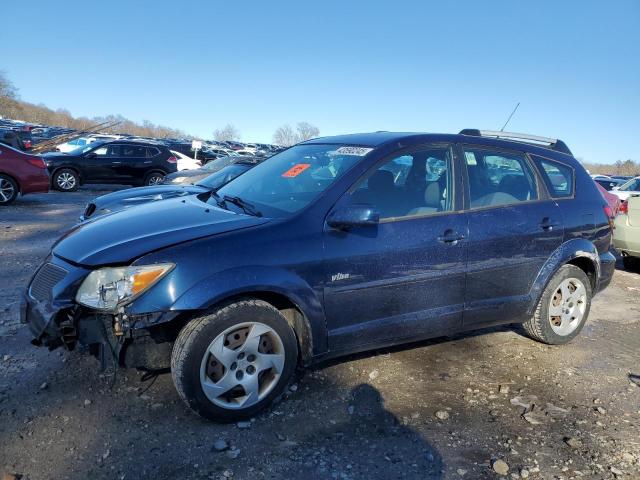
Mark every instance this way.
x=412 y=184
x=291 y=180
x=498 y=178
x=558 y=177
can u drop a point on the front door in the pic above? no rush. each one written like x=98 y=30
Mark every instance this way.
x=513 y=229
x=402 y=279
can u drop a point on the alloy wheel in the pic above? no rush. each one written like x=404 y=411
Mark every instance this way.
x=155 y=180
x=242 y=365
x=7 y=190
x=66 y=181
x=567 y=306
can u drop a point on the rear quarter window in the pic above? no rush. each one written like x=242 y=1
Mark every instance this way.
x=559 y=178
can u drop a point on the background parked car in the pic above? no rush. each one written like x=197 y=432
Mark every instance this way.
x=20 y=173
x=119 y=161
x=131 y=197
x=626 y=236
x=609 y=183
x=185 y=162
x=16 y=138
x=194 y=176
x=630 y=187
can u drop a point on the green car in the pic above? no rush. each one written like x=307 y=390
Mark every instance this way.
x=626 y=236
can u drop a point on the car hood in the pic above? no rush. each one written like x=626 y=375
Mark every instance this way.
x=137 y=195
x=123 y=236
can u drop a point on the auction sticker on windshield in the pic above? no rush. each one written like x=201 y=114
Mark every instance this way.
x=357 y=151
x=296 y=170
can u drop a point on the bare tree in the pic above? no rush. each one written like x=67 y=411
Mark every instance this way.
x=285 y=136
x=229 y=132
x=307 y=131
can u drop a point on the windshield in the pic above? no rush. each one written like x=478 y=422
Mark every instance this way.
x=289 y=181
x=632 y=185
x=85 y=148
x=224 y=175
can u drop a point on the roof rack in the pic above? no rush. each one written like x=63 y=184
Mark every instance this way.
x=545 y=142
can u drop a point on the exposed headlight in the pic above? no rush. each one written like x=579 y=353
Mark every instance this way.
x=107 y=288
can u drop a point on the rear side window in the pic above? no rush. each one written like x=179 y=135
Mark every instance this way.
x=152 y=152
x=498 y=178
x=558 y=177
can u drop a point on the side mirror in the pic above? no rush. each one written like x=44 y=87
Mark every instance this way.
x=353 y=216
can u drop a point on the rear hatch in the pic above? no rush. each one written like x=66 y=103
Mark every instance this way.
x=634 y=211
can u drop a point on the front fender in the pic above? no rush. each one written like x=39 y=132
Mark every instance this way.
x=247 y=280
x=570 y=250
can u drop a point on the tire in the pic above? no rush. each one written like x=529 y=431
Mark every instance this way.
x=572 y=307
x=66 y=180
x=631 y=263
x=241 y=378
x=8 y=190
x=153 y=178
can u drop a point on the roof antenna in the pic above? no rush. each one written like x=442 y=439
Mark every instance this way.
x=508 y=119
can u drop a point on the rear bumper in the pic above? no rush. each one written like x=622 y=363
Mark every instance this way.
x=37 y=185
x=607 y=268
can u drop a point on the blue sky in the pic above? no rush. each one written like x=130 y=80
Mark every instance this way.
x=345 y=66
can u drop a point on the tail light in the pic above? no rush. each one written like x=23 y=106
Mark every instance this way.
x=624 y=207
x=172 y=159
x=37 y=162
x=608 y=211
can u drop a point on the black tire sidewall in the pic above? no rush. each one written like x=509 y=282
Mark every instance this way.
x=216 y=324
x=565 y=272
x=60 y=172
x=15 y=189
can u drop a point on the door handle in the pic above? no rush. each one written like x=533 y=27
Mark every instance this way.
x=116 y=163
x=547 y=224
x=450 y=237
x=150 y=161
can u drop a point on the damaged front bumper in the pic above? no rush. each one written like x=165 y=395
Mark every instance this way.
x=55 y=320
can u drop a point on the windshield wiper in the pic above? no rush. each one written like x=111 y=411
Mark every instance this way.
x=219 y=201
x=245 y=206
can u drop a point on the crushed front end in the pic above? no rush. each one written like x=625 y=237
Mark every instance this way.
x=55 y=319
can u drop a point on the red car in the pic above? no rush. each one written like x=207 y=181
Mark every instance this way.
x=20 y=173
x=612 y=200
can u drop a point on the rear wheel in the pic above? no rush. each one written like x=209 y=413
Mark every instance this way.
x=563 y=308
x=66 y=180
x=232 y=363
x=8 y=190
x=153 y=178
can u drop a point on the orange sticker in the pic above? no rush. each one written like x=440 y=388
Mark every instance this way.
x=296 y=170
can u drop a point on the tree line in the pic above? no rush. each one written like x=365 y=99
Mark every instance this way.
x=621 y=167
x=11 y=106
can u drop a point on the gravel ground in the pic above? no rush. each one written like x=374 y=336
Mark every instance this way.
x=466 y=406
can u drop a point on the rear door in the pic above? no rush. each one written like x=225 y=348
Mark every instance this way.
x=402 y=279
x=513 y=228
x=130 y=166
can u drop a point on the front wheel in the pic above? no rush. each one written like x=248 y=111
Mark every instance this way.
x=8 y=190
x=563 y=308
x=66 y=180
x=234 y=362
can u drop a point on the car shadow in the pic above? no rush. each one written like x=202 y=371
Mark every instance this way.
x=368 y=442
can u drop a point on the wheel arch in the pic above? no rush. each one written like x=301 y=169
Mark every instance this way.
x=578 y=252
x=17 y=182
